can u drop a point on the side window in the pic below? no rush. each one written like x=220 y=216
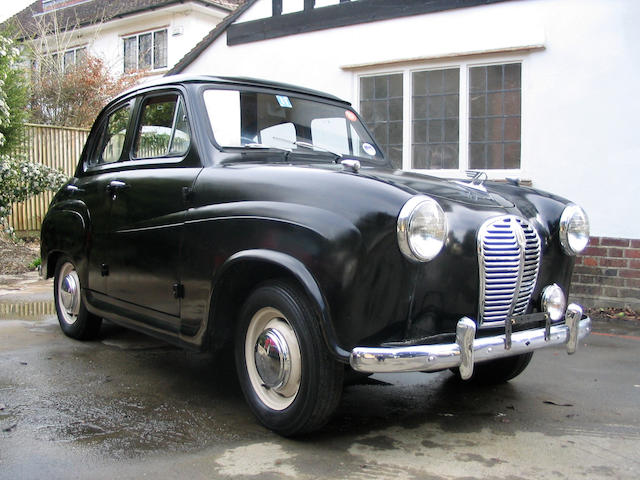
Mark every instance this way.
x=113 y=135
x=164 y=129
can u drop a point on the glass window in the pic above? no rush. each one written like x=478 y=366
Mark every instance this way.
x=145 y=51
x=382 y=110
x=227 y=126
x=261 y=120
x=164 y=129
x=113 y=136
x=81 y=55
x=494 y=116
x=331 y=132
x=181 y=133
x=69 y=59
x=130 y=54
x=160 y=49
x=435 y=112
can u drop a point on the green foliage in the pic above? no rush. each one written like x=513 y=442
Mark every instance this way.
x=20 y=179
x=35 y=264
x=13 y=97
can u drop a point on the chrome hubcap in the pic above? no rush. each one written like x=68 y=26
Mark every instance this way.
x=273 y=358
x=69 y=293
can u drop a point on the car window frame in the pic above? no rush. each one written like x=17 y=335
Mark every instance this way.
x=141 y=99
x=99 y=132
x=272 y=91
x=126 y=160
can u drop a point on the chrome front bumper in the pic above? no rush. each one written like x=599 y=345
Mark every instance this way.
x=469 y=350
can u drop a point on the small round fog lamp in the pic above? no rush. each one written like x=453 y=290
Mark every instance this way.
x=554 y=302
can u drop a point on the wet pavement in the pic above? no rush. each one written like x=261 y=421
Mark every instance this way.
x=130 y=406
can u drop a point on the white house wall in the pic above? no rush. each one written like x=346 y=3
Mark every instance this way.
x=186 y=26
x=579 y=89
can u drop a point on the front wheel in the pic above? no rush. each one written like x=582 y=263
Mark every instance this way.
x=500 y=370
x=288 y=377
x=75 y=321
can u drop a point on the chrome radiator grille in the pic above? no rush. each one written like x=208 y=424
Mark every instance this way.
x=509 y=257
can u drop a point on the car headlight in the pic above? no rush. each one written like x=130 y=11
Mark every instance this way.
x=422 y=228
x=574 y=229
x=554 y=302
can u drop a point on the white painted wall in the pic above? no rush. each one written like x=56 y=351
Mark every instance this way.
x=580 y=101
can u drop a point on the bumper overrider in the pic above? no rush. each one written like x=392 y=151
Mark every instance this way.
x=468 y=350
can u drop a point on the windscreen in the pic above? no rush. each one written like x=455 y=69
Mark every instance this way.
x=261 y=120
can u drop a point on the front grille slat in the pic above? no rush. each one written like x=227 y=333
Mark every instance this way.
x=508 y=271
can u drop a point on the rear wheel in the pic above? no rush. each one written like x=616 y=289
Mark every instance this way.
x=288 y=377
x=75 y=321
x=500 y=370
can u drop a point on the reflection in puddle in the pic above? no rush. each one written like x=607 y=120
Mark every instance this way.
x=27 y=310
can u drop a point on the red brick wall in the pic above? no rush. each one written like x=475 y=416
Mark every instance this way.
x=607 y=274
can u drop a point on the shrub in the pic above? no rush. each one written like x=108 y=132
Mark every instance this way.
x=19 y=179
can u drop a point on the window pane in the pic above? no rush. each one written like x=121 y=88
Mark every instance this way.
x=154 y=133
x=366 y=88
x=130 y=54
x=160 y=49
x=223 y=107
x=436 y=106
x=114 y=135
x=384 y=114
x=81 y=55
x=494 y=116
x=330 y=133
x=144 y=51
x=181 y=132
x=259 y=120
x=69 y=59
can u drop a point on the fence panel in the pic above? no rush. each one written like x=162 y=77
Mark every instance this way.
x=56 y=147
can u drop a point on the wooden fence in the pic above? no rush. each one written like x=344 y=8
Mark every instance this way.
x=56 y=147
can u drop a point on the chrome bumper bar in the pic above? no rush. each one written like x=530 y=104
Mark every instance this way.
x=469 y=350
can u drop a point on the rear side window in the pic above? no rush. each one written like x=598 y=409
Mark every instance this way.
x=112 y=137
x=164 y=128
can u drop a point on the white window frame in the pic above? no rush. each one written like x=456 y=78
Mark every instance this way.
x=137 y=36
x=464 y=64
x=61 y=54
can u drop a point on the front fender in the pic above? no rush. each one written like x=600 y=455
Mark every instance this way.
x=296 y=269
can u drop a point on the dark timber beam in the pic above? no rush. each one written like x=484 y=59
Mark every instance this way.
x=340 y=15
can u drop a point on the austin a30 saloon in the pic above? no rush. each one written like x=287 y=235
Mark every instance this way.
x=227 y=212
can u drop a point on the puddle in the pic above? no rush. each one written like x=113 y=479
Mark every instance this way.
x=38 y=311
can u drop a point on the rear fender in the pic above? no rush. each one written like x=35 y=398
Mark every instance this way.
x=64 y=232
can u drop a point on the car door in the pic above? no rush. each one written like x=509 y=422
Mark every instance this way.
x=104 y=154
x=149 y=198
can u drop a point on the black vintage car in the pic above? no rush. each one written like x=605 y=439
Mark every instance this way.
x=215 y=212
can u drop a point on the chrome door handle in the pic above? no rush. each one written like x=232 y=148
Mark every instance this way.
x=114 y=186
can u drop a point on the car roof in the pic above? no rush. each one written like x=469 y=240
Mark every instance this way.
x=239 y=81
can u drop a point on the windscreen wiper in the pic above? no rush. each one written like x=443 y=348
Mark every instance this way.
x=265 y=147
x=311 y=146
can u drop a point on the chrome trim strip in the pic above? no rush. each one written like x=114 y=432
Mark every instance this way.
x=431 y=358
